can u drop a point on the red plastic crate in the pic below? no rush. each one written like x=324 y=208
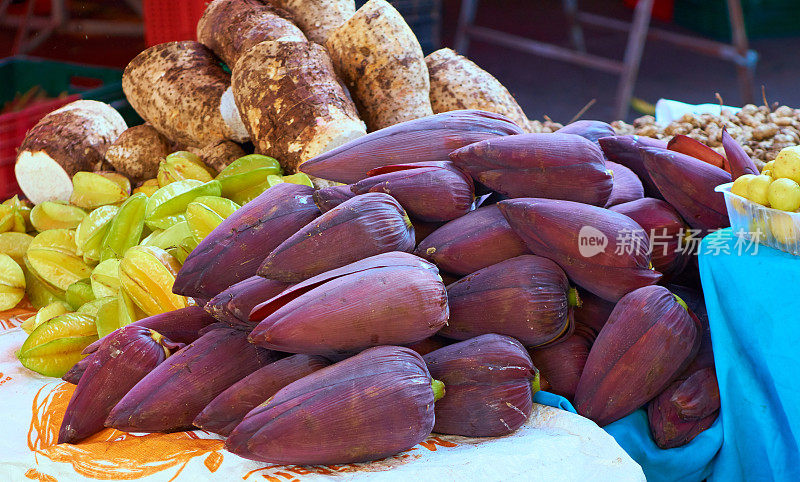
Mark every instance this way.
x=13 y=127
x=662 y=9
x=171 y=20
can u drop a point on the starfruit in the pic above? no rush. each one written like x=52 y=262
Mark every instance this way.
x=177 y=240
x=120 y=362
x=92 y=230
x=182 y=165
x=105 y=278
x=52 y=258
x=125 y=230
x=91 y=190
x=146 y=274
x=148 y=187
x=79 y=293
x=397 y=298
x=56 y=345
x=15 y=245
x=39 y=294
x=176 y=391
x=373 y=405
x=21 y=213
x=92 y=307
x=12 y=283
x=53 y=215
x=298 y=178
x=228 y=409
x=7 y=218
x=43 y=314
x=527 y=297
x=246 y=175
x=234 y=251
x=363 y=226
x=490 y=381
x=167 y=206
x=205 y=213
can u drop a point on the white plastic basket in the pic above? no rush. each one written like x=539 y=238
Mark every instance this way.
x=769 y=227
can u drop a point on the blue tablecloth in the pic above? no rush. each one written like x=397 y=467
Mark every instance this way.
x=753 y=300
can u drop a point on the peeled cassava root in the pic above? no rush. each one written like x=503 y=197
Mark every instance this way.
x=231 y=27
x=458 y=83
x=138 y=151
x=180 y=89
x=305 y=111
x=219 y=154
x=381 y=62
x=70 y=139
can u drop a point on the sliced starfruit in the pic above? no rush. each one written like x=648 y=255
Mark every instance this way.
x=56 y=345
x=148 y=187
x=7 y=218
x=39 y=294
x=299 y=178
x=53 y=215
x=205 y=213
x=246 y=173
x=91 y=231
x=107 y=318
x=182 y=165
x=147 y=274
x=22 y=215
x=52 y=257
x=15 y=245
x=168 y=205
x=91 y=307
x=44 y=313
x=125 y=229
x=91 y=190
x=105 y=278
x=79 y=293
x=177 y=240
x=12 y=283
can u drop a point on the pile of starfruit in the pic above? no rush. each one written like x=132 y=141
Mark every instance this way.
x=110 y=256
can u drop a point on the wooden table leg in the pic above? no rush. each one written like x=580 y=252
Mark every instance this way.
x=466 y=18
x=744 y=69
x=633 y=57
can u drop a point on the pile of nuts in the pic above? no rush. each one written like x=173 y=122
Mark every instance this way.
x=761 y=130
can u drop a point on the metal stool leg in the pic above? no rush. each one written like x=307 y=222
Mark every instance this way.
x=745 y=70
x=466 y=18
x=575 y=29
x=633 y=57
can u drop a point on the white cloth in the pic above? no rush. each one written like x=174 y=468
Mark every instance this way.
x=553 y=445
x=671 y=110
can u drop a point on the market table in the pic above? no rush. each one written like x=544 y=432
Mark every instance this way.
x=752 y=295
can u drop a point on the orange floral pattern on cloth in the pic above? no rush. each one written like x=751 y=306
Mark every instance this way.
x=111 y=454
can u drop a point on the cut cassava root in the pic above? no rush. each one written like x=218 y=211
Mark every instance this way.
x=381 y=61
x=458 y=83
x=180 y=88
x=70 y=139
x=304 y=112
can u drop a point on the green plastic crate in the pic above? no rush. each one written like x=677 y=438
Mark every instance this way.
x=762 y=18
x=20 y=73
